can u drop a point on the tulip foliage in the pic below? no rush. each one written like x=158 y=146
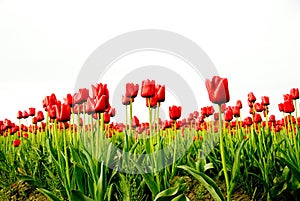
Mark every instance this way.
x=74 y=150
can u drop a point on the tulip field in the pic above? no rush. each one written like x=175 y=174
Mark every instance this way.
x=74 y=150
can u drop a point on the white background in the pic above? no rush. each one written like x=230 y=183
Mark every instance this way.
x=255 y=44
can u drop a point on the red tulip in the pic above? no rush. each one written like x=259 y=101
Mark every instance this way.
x=251 y=97
x=287 y=97
x=281 y=107
x=19 y=115
x=52 y=111
x=204 y=111
x=294 y=93
x=31 y=112
x=288 y=107
x=265 y=100
x=126 y=100
x=135 y=122
x=81 y=96
x=258 y=107
x=174 y=112
x=248 y=121
x=239 y=104
x=217 y=89
x=131 y=90
x=228 y=115
x=272 y=118
x=106 y=117
x=148 y=88
x=153 y=102
x=90 y=106
x=40 y=116
x=69 y=100
x=99 y=90
x=210 y=110
x=112 y=112
x=223 y=107
x=16 y=143
x=236 y=111
x=101 y=104
x=63 y=114
x=49 y=100
x=160 y=92
x=34 y=120
x=25 y=115
x=257 y=118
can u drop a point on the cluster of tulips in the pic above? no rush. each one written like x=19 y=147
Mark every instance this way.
x=88 y=115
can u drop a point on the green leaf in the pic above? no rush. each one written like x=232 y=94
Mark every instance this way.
x=78 y=195
x=181 y=198
x=167 y=193
x=48 y=194
x=207 y=182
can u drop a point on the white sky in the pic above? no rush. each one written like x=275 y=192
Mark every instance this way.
x=43 y=45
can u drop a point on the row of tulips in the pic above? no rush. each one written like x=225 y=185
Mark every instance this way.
x=75 y=141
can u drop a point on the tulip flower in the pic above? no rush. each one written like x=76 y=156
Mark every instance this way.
x=31 y=112
x=160 y=93
x=265 y=100
x=272 y=118
x=257 y=118
x=34 y=120
x=19 y=115
x=135 y=122
x=81 y=96
x=294 y=93
x=251 y=97
x=239 y=104
x=217 y=89
x=148 y=88
x=112 y=112
x=99 y=90
x=101 y=104
x=69 y=100
x=16 y=143
x=131 y=90
x=210 y=110
x=288 y=107
x=106 y=117
x=281 y=107
x=40 y=116
x=90 y=106
x=236 y=111
x=49 y=100
x=52 y=111
x=63 y=114
x=126 y=100
x=25 y=115
x=174 y=112
x=153 y=102
x=204 y=111
x=258 y=107
x=228 y=115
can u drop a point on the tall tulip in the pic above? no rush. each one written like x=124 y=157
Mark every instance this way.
x=218 y=91
x=175 y=112
x=131 y=90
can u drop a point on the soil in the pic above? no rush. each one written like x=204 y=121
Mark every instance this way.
x=22 y=191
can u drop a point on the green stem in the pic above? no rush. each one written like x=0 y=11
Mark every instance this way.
x=223 y=154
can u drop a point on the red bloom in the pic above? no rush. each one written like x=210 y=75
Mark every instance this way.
x=112 y=112
x=236 y=111
x=49 y=100
x=52 y=111
x=281 y=107
x=40 y=116
x=16 y=143
x=148 y=88
x=174 y=112
x=99 y=90
x=258 y=107
x=228 y=115
x=19 y=115
x=101 y=104
x=210 y=110
x=63 y=114
x=288 y=107
x=126 y=100
x=34 y=120
x=160 y=92
x=106 y=117
x=257 y=118
x=81 y=96
x=153 y=102
x=272 y=118
x=248 y=121
x=69 y=100
x=251 y=97
x=265 y=100
x=294 y=93
x=90 y=106
x=239 y=104
x=131 y=90
x=31 y=112
x=135 y=122
x=217 y=89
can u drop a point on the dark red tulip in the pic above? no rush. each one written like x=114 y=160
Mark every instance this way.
x=287 y=97
x=228 y=115
x=31 y=112
x=34 y=120
x=265 y=100
x=236 y=111
x=175 y=112
x=40 y=116
x=239 y=104
x=63 y=114
x=288 y=107
x=160 y=93
x=49 y=100
x=281 y=107
x=19 y=115
x=106 y=117
x=272 y=118
x=248 y=121
x=294 y=93
x=258 y=107
x=153 y=102
x=251 y=97
x=131 y=90
x=16 y=143
x=135 y=122
x=204 y=111
x=148 y=88
x=101 y=104
x=126 y=100
x=69 y=100
x=210 y=110
x=25 y=115
x=217 y=89
x=257 y=118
